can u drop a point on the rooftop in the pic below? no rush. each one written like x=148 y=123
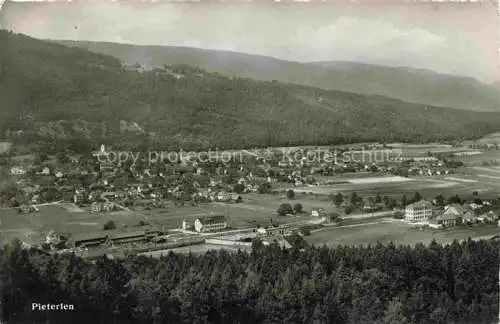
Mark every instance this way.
x=124 y=235
x=88 y=236
x=213 y=219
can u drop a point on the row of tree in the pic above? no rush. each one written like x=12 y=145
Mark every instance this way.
x=355 y=200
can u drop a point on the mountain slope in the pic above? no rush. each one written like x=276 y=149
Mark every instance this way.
x=411 y=85
x=56 y=94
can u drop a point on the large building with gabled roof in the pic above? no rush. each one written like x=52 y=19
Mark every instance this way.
x=213 y=223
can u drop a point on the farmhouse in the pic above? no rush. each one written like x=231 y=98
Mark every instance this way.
x=469 y=217
x=210 y=223
x=454 y=209
x=420 y=211
x=447 y=219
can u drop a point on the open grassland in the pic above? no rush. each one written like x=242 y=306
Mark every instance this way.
x=34 y=226
x=397 y=232
x=382 y=188
x=255 y=209
x=462 y=183
x=490 y=139
x=479 y=159
x=271 y=202
x=487 y=177
x=379 y=180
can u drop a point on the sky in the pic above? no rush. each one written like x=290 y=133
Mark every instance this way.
x=454 y=38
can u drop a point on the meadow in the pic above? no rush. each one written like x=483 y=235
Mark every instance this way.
x=389 y=188
x=256 y=209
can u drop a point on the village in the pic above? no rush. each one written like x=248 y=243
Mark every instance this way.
x=147 y=205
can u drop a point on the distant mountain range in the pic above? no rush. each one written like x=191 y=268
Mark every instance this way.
x=51 y=93
x=408 y=84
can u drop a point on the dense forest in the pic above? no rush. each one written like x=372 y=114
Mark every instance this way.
x=411 y=85
x=53 y=94
x=456 y=283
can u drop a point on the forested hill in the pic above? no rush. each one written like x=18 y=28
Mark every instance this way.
x=411 y=85
x=50 y=91
x=453 y=284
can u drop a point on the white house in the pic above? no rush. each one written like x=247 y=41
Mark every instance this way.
x=318 y=212
x=210 y=223
x=420 y=211
x=45 y=171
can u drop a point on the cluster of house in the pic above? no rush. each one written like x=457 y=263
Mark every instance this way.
x=425 y=212
x=216 y=195
x=102 y=207
x=45 y=171
x=106 y=184
x=427 y=171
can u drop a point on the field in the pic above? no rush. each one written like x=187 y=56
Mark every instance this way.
x=415 y=150
x=486 y=177
x=255 y=209
x=485 y=180
x=348 y=176
x=4 y=147
x=33 y=227
x=490 y=139
x=397 y=232
x=261 y=209
x=389 y=188
x=479 y=159
x=379 y=180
